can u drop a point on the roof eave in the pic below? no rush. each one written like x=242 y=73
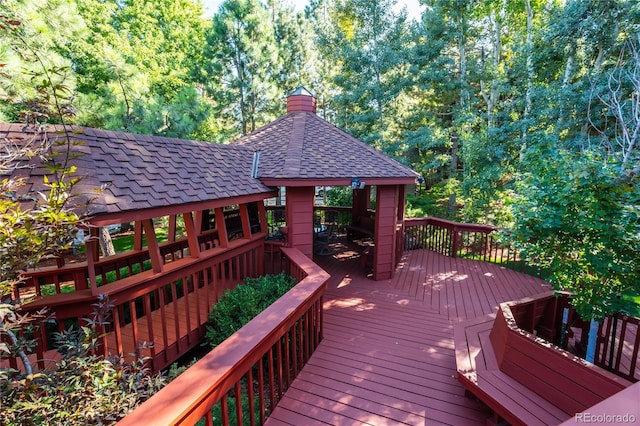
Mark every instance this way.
x=298 y=182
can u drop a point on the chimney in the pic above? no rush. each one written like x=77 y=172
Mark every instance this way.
x=301 y=100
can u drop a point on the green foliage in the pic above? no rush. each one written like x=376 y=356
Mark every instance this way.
x=83 y=388
x=340 y=196
x=243 y=64
x=580 y=218
x=241 y=304
x=434 y=201
x=216 y=411
x=425 y=204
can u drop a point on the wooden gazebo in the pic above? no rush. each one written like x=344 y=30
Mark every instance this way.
x=212 y=198
x=300 y=151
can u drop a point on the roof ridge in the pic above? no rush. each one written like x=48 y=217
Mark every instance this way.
x=295 y=145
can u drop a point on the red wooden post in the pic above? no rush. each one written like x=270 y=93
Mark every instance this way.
x=221 y=227
x=299 y=212
x=172 y=227
x=192 y=235
x=454 y=243
x=244 y=217
x=152 y=244
x=262 y=212
x=137 y=235
x=385 y=232
x=91 y=249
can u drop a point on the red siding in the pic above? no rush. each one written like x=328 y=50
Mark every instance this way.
x=300 y=219
x=385 y=236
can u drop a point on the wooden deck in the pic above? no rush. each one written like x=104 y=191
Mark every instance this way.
x=388 y=351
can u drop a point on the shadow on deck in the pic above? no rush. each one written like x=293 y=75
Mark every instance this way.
x=388 y=351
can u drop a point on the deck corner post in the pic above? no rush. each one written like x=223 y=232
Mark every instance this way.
x=454 y=243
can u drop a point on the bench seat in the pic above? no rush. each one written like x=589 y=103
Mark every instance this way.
x=478 y=372
x=353 y=230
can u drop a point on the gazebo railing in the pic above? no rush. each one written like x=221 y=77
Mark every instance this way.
x=341 y=217
x=245 y=376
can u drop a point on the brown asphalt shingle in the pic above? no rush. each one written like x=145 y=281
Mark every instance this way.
x=301 y=145
x=141 y=171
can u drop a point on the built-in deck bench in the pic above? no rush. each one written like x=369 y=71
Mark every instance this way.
x=363 y=227
x=525 y=380
x=479 y=373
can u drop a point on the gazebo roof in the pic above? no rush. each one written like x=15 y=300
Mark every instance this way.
x=300 y=148
x=138 y=172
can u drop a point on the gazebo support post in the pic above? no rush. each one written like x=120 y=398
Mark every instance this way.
x=299 y=214
x=385 y=231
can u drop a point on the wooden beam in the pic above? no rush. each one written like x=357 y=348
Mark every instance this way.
x=152 y=244
x=198 y=220
x=137 y=235
x=91 y=248
x=262 y=212
x=140 y=214
x=221 y=227
x=192 y=235
x=244 y=217
x=172 y=227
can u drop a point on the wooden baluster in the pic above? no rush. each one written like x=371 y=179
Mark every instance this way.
x=261 y=396
x=238 y=397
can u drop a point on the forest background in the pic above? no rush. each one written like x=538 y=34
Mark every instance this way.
x=523 y=114
x=472 y=96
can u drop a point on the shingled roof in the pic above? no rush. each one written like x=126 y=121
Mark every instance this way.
x=140 y=172
x=302 y=146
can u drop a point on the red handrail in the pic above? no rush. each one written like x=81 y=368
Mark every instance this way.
x=464 y=240
x=169 y=307
x=273 y=346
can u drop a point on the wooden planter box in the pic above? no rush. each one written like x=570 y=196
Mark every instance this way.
x=566 y=381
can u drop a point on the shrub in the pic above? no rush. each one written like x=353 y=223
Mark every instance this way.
x=241 y=304
x=83 y=389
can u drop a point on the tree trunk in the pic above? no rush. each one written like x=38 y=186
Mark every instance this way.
x=593 y=337
x=453 y=171
x=530 y=76
x=106 y=244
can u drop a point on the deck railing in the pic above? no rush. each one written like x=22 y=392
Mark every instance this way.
x=169 y=308
x=341 y=217
x=244 y=377
x=479 y=242
x=109 y=269
x=466 y=240
x=618 y=346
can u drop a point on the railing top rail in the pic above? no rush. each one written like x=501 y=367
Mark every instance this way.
x=134 y=285
x=450 y=224
x=210 y=378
